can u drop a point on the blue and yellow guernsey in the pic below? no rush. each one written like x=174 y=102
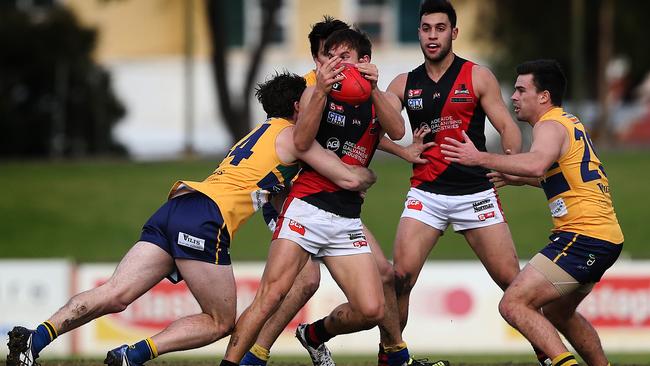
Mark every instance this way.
x=310 y=78
x=249 y=173
x=577 y=188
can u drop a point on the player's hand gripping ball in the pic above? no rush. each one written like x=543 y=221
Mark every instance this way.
x=354 y=89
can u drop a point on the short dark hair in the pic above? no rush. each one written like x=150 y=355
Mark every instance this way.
x=439 y=6
x=278 y=94
x=547 y=75
x=353 y=38
x=323 y=29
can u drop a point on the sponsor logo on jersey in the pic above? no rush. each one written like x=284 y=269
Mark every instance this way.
x=356 y=152
x=462 y=100
x=444 y=123
x=558 y=208
x=335 y=107
x=485 y=216
x=295 y=226
x=436 y=95
x=356 y=122
x=482 y=205
x=190 y=241
x=414 y=204
x=411 y=93
x=333 y=144
x=336 y=118
x=355 y=236
x=415 y=104
x=360 y=243
x=603 y=188
x=462 y=89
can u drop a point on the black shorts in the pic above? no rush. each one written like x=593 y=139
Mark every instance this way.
x=189 y=227
x=585 y=258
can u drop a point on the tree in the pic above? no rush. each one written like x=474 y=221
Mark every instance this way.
x=235 y=109
x=54 y=99
x=521 y=30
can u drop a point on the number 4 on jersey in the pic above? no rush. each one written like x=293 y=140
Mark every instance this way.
x=244 y=149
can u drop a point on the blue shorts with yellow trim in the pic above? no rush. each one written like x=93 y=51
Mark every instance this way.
x=585 y=258
x=189 y=227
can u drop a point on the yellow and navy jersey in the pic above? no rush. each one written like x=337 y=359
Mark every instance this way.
x=310 y=78
x=577 y=187
x=249 y=173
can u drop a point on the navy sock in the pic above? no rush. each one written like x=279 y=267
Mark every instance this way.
x=398 y=358
x=142 y=351
x=44 y=335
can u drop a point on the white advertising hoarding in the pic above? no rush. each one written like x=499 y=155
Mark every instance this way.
x=30 y=291
x=453 y=309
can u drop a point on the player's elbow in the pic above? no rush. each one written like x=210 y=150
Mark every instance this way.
x=302 y=144
x=397 y=133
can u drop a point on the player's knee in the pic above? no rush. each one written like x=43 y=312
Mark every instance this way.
x=373 y=313
x=117 y=297
x=309 y=284
x=222 y=327
x=508 y=308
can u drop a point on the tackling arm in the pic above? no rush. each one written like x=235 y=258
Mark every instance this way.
x=350 y=177
x=548 y=144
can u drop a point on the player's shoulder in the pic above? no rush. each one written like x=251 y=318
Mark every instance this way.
x=549 y=125
x=398 y=84
x=482 y=72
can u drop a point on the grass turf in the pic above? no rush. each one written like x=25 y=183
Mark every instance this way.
x=94 y=210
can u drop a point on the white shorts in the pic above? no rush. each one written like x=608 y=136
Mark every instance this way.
x=319 y=232
x=464 y=212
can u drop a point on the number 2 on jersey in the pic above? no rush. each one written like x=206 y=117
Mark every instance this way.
x=587 y=174
x=244 y=149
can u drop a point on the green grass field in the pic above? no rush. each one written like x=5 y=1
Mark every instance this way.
x=94 y=210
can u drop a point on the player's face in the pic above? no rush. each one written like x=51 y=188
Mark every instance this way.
x=436 y=34
x=525 y=98
x=347 y=54
x=322 y=57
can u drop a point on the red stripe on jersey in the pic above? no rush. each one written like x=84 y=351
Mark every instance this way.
x=454 y=117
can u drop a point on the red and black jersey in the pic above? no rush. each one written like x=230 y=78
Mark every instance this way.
x=448 y=107
x=352 y=132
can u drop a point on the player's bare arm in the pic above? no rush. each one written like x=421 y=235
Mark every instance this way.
x=313 y=101
x=501 y=180
x=549 y=140
x=411 y=153
x=387 y=105
x=353 y=178
x=487 y=88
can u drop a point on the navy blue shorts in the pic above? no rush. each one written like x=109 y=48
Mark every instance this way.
x=189 y=227
x=585 y=258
